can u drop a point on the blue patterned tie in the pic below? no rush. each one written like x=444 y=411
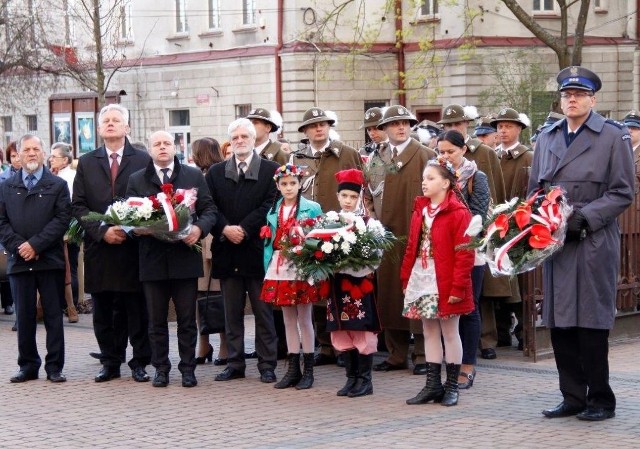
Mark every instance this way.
x=165 y=175
x=31 y=181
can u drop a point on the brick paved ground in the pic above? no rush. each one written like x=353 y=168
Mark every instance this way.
x=502 y=410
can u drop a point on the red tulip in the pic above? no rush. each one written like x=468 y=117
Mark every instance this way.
x=522 y=216
x=540 y=237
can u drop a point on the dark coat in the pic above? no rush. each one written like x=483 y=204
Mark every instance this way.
x=163 y=260
x=245 y=203
x=596 y=170
x=106 y=267
x=40 y=216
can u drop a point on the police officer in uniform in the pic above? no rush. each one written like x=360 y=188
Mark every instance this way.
x=632 y=121
x=486 y=133
x=590 y=157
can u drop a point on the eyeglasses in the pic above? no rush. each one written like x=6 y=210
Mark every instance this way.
x=576 y=95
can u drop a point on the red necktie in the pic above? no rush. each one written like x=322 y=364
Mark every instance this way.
x=114 y=172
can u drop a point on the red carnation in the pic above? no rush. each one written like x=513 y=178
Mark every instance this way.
x=167 y=189
x=155 y=202
x=318 y=255
x=179 y=198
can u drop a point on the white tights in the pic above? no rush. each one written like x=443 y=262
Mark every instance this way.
x=294 y=317
x=448 y=328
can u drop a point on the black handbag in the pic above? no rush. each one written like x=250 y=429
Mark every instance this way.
x=211 y=312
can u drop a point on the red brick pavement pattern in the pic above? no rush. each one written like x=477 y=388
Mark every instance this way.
x=502 y=410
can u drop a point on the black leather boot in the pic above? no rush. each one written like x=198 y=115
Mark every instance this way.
x=363 y=386
x=451 y=385
x=351 y=366
x=293 y=374
x=433 y=390
x=307 y=375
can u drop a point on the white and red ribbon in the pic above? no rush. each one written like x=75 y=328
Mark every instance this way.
x=170 y=213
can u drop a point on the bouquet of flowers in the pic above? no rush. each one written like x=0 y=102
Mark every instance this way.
x=519 y=235
x=319 y=247
x=165 y=216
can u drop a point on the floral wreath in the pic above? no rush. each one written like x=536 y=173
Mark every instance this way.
x=288 y=170
x=442 y=162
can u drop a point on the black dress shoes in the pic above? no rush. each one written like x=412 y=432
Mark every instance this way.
x=8 y=310
x=189 y=379
x=323 y=359
x=56 y=377
x=139 y=374
x=488 y=353
x=230 y=374
x=23 y=376
x=386 y=366
x=420 y=369
x=595 y=414
x=161 y=379
x=251 y=355
x=106 y=374
x=96 y=355
x=268 y=376
x=220 y=362
x=562 y=410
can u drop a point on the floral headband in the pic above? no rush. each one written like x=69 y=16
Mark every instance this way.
x=288 y=170
x=442 y=162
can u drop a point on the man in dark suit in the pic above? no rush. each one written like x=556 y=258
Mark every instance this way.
x=35 y=211
x=244 y=190
x=170 y=270
x=111 y=259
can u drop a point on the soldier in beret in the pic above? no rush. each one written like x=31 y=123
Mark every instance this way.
x=370 y=124
x=394 y=179
x=455 y=117
x=323 y=158
x=265 y=147
x=590 y=157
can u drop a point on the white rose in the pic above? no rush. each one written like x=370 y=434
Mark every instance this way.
x=327 y=247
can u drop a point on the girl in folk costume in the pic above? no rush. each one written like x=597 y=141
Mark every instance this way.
x=281 y=287
x=436 y=277
x=352 y=316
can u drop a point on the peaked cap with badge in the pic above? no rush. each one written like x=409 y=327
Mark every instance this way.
x=576 y=77
x=632 y=120
x=395 y=113
x=483 y=126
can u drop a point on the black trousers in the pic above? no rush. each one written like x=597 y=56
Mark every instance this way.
x=183 y=292
x=50 y=284
x=234 y=291
x=74 y=253
x=112 y=313
x=582 y=359
x=5 y=294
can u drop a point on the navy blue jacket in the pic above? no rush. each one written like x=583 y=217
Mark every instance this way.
x=163 y=260
x=40 y=216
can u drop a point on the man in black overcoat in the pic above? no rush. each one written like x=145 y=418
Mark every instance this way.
x=110 y=257
x=35 y=211
x=170 y=270
x=243 y=189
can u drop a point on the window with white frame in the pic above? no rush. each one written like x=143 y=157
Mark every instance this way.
x=543 y=5
x=214 y=14
x=7 y=128
x=600 y=5
x=429 y=7
x=181 y=17
x=32 y=122
x=248 y=12
x=124 y=22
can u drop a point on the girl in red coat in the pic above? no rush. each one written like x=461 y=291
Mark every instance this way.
x=436 y=277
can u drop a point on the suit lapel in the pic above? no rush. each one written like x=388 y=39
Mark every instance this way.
x=409 y=152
